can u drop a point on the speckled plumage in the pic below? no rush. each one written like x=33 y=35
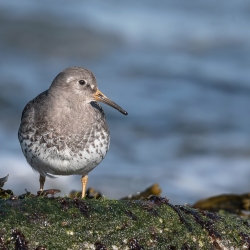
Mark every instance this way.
x=63 y=130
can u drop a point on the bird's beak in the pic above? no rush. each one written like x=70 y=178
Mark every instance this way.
x=100 y=97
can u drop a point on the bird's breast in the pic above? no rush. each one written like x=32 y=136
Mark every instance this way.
x=69 y=142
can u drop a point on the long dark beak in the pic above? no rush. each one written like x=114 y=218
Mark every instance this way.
x=100 y=97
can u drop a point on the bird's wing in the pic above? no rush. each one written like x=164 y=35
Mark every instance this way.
x=31 y=104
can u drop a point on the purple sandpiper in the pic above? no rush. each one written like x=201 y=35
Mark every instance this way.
x=63 y=130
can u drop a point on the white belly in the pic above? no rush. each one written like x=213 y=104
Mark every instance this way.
x=51 y=161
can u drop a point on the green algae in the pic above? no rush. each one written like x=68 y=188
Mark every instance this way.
x=65 y=223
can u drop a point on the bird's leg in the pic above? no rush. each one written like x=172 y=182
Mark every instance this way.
x=42 y=181
x=84 y=184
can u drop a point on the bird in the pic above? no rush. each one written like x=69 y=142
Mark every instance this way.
x=63 y=130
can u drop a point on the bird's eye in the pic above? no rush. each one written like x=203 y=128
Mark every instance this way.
x=82 y=82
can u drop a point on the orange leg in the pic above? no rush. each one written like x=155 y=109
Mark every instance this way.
x=84 y=184
x=42 y=181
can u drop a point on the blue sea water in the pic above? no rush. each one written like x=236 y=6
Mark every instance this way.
x=180 y=68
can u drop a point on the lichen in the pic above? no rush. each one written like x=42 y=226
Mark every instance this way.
x=65 y=223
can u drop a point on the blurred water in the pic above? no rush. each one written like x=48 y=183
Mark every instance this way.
x=181 y=70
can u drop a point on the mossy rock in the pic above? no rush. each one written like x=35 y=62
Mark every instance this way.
x=65 y=223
